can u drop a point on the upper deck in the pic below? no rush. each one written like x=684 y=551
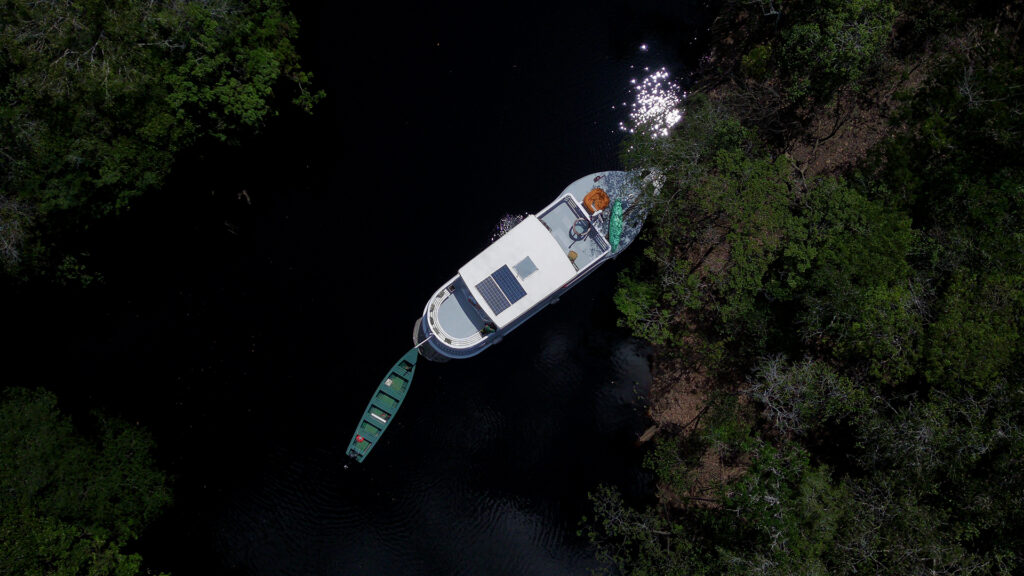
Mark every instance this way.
x=517 y=271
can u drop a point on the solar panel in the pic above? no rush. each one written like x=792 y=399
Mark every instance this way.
x=492 y=294
x=509 y=285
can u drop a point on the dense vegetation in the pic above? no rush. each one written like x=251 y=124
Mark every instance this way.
x=71 y=503
x=97 y=98
x=856 y=322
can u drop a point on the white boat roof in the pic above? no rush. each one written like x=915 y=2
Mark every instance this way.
x=529 y=239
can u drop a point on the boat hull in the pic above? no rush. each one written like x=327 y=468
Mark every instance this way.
x=383 y=406
x=435 y=345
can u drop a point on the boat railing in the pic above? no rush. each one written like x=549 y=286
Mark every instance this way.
x=435 y=325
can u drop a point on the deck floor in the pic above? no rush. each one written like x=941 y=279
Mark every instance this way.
x=457 y=316
x=559 y=219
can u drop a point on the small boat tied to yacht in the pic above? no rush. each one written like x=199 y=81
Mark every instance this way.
x=382 y=407
x=528 y=267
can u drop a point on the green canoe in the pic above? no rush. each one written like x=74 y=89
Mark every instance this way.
x=383 y=405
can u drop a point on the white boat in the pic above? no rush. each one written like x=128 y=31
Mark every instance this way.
x=531 y=266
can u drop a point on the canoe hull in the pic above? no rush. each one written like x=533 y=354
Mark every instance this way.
x=383 y=406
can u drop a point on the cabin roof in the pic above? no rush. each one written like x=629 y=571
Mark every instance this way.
x=529 y=239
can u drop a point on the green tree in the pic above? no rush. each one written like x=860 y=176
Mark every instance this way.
x=830 y=44
x=98 y=97
x=902 y=281
x=976 y=339
x=790 y=512
x=724 y=215
x=945 y=487
x=69 y=504
x=752 y=198
x=851 y=272
x=644 y=543
x=802 y=398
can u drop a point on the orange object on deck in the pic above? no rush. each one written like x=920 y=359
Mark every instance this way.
x=596 y=200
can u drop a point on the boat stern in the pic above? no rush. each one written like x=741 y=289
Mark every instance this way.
x=452 y=325
x=421 y=337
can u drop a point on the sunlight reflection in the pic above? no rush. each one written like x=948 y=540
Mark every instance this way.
x=657 y=105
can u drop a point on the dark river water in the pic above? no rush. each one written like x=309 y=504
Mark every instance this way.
x=249 y=311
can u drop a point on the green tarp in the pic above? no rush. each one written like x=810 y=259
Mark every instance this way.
x=615 y=226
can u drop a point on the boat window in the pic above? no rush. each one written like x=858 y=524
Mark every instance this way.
x=525 y=268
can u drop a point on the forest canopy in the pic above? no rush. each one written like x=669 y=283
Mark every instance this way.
x=70 y=503
x=835 y=266
x=97 y=98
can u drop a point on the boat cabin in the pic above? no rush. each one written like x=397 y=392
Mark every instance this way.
x=532 y=261
x=518 y=274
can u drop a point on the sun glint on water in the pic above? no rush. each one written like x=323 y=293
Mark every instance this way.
x=657 y=106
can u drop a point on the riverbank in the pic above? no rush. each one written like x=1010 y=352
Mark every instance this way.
x=834 y=286
x=818 y=140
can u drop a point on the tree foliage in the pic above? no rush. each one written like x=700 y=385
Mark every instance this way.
x=834 y=43
x=803 y=398
x=975 y=341
x=643 y=543
x=721 y=229
x=70 y=504
x=789 y=514
x=892 y=444
x=97 y=97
